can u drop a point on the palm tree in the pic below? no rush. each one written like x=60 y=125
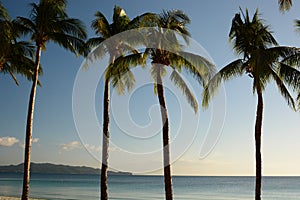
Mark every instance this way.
x=48 y=22
x=121 y=80
x=285 y=5
x=263 y=61
x=166 y=54
x=294 y=59
x=15 y=56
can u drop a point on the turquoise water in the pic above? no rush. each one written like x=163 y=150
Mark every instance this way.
x=77 y=187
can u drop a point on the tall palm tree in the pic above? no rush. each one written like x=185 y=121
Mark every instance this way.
x=170 y=25
x=15 y=56
x=48 y=21
x=285 y=5
x=120 y=81
x=263 y=61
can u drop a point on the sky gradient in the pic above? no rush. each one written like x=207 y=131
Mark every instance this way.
x=57 y=140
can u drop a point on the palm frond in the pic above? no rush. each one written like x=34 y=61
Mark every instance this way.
x=298 y=100
x=180 y=83
x=284 y=52
x=175 y=20
x=120 y=74
x=96 y=47
x=69 y=42
x=155 y=88
x=24 y=48
x=72 y=27
x=285 y=5
x=146 y=54
x=126 y=80
x=196 y=65
x=144 y=20
x=94 y=42
x=123 y=64
x=25 y=25
x=3 y=13
x=292 y=59
x=101 y=25
x=14 y=77
x=132 y=38
x=297 y=25
x=290 y=76
x=118 y=85
x=233 y=69
x=284 y=91
x=17 y=57
x=127 y=48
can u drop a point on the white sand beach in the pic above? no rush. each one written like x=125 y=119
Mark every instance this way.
x=13 y=198
x=9 y=198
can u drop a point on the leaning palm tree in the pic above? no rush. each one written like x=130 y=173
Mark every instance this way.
x=285 y=5
x=263 y=61
x=15 y=56
x=48 y=22
x=120 y=81
x=165 y=52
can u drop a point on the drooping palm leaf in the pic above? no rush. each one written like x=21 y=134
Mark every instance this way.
x=180 y=83
x=3 y=13
x=15 y=56
x=120 y=72
x=284 y=91
x=196 y=65
x=228 y=72
x=285 y=5
x=290 y=76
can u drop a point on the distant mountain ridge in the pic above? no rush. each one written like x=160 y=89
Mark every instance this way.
x=48 y=168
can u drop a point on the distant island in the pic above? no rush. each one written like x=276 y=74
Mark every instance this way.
x=48 y=168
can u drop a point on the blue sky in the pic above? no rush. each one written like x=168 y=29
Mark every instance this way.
x=58 y=141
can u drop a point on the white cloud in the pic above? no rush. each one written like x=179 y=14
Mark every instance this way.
x=8 y=141
x=35 y=140
x=92 y=147
x=71 y=146
x=77 y=145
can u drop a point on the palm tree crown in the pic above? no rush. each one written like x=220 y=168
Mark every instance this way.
x=261 y=58
x=49 y=21
x=167 y=53
x=118 y=69
x=15 y=56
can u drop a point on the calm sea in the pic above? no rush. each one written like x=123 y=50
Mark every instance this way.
x=78 y=187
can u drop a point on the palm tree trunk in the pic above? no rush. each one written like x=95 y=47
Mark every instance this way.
x=28 y=139
x=105 y=141
x=166 y=138
x=258 y=126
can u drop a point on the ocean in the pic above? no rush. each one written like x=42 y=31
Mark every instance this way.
x=78 y=187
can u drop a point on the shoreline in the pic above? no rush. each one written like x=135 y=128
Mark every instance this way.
x=14 y=198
